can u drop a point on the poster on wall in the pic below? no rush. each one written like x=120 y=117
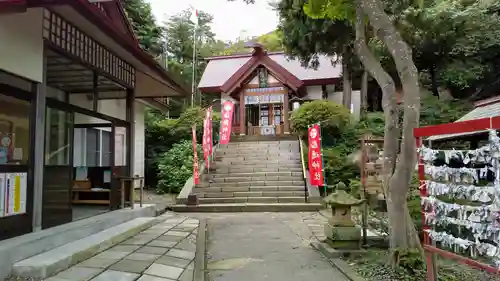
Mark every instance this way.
x=5 y=148
x=15 y=185
x=2 y=195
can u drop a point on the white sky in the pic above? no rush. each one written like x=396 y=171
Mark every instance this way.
x=231 y=19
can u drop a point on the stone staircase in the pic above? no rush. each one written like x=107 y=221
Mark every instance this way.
x=254 y=176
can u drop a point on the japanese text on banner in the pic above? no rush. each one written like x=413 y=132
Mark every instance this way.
x=207 y=137
x=315 y=157
x=226 y=122
x=196 y=175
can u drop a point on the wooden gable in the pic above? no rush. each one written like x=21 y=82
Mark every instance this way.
x=116 y=13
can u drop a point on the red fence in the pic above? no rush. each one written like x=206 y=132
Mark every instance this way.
x=480 y=125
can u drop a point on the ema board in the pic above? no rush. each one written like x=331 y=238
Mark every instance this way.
x=13 y=191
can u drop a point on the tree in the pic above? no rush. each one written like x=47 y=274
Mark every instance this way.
x=398 y=174
x=305 y=38
x=179 y=32
x=143 y=22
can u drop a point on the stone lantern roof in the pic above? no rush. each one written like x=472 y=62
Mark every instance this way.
x=340 y=198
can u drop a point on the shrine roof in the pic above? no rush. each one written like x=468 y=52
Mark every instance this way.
x=486 y=108
x=220 y=69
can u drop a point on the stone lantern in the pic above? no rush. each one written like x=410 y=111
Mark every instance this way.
x=341 y=231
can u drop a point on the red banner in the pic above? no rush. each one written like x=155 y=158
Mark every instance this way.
x=196 y=174
x=207 y=137
x=315 y=157
x=226 y=122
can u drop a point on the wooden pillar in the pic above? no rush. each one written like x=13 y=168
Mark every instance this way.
x=242 y=114
x=37 y=152
x=286 y=105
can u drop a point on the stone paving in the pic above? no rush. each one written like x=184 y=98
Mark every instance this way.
x=164 y=252
x=264 y=246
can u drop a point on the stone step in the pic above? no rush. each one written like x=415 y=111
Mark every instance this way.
x=239 y=153
x=232 y=189
x=232 y=178
x=249 y=207
x=298 y=193
x=252 y=183
x=257 y=158
x=251 y=169
x=51 y=262
x=258 y=174
x=243 y=165
x=262 y=143
x=295 y=199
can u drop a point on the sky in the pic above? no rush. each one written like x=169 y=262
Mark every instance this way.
x=231 y=19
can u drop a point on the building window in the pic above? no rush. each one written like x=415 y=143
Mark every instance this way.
x=58 y=126
x=14 y=155
x=92 y=147
x=14 y=131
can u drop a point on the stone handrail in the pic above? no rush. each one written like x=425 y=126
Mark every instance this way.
x=189 y=185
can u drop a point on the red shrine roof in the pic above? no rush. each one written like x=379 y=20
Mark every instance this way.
x=222 y=69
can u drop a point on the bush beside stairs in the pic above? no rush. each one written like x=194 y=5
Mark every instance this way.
x=253 y=176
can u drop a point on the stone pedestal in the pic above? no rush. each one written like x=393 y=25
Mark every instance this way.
x=343 y=237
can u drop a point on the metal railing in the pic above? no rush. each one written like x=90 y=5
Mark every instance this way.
x=304 y=172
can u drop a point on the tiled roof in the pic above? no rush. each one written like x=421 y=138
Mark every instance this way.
x=220 y=69
x=485 y=109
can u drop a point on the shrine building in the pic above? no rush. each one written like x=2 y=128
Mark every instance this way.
x=74 y=86
x=266 y=86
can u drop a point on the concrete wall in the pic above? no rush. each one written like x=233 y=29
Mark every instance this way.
x=315 y=93
x=21 y=46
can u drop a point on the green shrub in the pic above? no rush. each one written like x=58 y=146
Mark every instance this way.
x=176 y=167
x=333 y=117
x=162 y=133
x=337 y=167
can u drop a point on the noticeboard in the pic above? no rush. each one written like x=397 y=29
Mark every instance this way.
x=13 y=192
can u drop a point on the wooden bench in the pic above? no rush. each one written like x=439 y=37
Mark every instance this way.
x=77 y=191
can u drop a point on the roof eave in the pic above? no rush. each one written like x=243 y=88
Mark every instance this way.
x=130 y=44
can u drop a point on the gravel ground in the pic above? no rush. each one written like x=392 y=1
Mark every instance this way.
x=22 y=279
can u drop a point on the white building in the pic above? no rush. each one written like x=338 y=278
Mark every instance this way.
x=74 y=85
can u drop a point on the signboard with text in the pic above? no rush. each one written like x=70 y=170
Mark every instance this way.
x=269 y=98
x=315 y=157
x=226 y=122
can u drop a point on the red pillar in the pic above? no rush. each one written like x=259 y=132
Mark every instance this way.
x=242 y=114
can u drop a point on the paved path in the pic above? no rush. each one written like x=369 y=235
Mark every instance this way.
x=165 y=252
x=265 y=246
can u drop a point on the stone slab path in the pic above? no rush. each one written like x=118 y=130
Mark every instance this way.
x=164 y=252
x=264 y=246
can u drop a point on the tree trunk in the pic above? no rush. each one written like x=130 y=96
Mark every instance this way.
x=364 y=95
x=434 y=85
x=386 y=83
x=402 y=235
x=346 y=78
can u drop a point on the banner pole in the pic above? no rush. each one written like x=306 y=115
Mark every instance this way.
x=322 y=158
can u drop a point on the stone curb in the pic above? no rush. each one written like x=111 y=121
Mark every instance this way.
x=199 y=259
x=341 y=265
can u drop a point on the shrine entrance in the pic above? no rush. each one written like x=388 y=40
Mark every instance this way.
x=265 y=119
x=264 y=111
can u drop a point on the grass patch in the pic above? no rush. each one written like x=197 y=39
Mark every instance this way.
x=373 y=266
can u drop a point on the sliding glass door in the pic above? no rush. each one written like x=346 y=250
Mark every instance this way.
x=58 y=168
